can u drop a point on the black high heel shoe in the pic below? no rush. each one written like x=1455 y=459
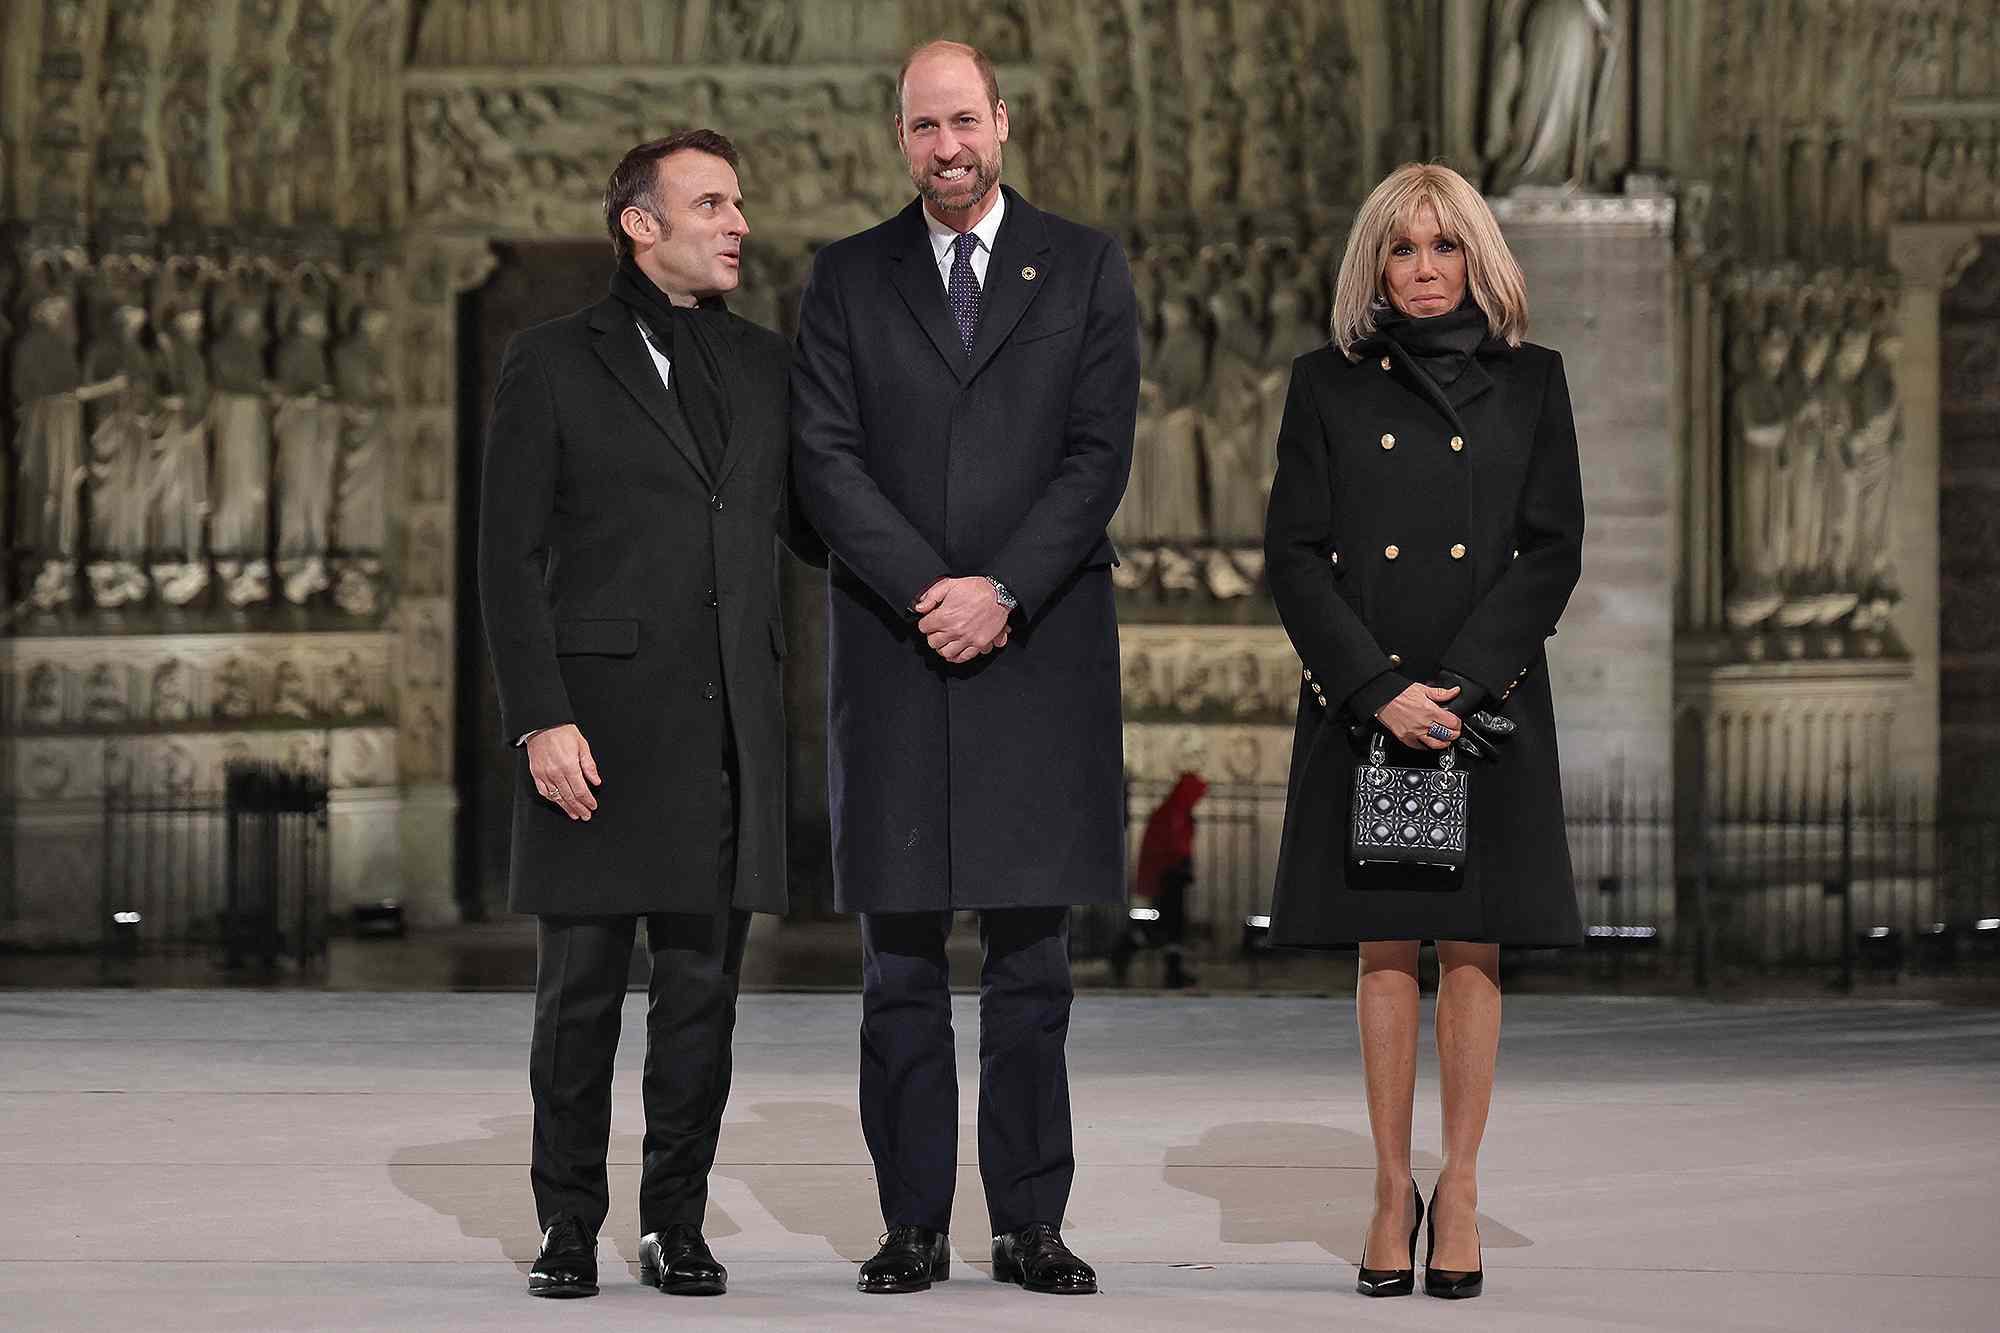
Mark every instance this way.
x=1394 y=1281
x=1448 y=1283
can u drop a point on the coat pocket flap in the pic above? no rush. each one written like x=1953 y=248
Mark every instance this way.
x=1054 y=322
x=606 y=638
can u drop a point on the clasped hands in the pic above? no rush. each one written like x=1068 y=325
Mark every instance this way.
x=1410 y=715
x=961 y=618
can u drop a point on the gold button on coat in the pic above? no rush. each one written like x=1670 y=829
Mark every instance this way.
x=1385 y=363
x=1395 y=659
x=1391 y=552
x=1388 y=441
x=1458 y=551
x=1457 y=444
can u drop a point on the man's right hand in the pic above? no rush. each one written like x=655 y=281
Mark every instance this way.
x=559 y=760
x=1408 y=716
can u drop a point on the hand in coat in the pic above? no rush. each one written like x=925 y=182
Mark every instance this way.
x=1409 y=715
x=961 y=619
x=564 y=772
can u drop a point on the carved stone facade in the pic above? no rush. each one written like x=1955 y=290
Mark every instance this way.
x=237 y=232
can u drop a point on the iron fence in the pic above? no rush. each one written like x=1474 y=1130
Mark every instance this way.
x=243 y=871
x=1836 y=887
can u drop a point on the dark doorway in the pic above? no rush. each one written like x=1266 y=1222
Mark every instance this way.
x=533 y=283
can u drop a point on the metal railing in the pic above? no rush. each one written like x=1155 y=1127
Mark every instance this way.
x=243 y=871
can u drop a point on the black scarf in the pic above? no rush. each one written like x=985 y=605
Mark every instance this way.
x=1441 y=346
x=687 y=334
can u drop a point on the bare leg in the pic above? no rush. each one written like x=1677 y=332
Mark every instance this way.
x=1385 y=1004
x=1468 y=1038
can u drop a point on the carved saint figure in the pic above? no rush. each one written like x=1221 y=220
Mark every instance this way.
x=241 y=422
x=1234 y=406
x=360 y=499
x=1173 y=483
x=307 y=427
x=1759 y=420
x=119 y=437
x=177 y=496
x=1871 y=473
x=1550 y=73
x=1805 y=570
x=48 y=407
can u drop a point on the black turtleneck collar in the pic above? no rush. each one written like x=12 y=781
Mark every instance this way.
x=1442 y=347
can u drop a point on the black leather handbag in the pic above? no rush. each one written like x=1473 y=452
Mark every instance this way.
x=1409 y=816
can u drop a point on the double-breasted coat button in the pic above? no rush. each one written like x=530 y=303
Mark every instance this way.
x=1388 y=440
x=1391 y=551
x=1317 y=689
x=708 y=690
x=1457 y=444
x=1334 y=556
x=1458 y=550
x=1395 y=659
x=1385 y=363
x=1309 y=674
x=715 y=503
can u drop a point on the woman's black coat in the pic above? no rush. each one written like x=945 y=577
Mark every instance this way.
x=1394 y=556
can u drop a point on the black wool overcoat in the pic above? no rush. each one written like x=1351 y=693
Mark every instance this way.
x=629 y=590
x=996 y=783
x=1410 y=533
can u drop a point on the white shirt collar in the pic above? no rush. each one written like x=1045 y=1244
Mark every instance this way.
x=985 y=229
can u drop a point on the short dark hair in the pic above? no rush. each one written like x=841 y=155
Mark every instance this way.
x=636 y=178
x=979 y=62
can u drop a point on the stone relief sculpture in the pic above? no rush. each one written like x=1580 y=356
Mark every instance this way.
x=1549 y=71
x=1759 y=424
x=1229 y=427
x=361 y=383
x=121 y=428
x=1871 y=477
x=177 y=493
x=242 y=428
x=306 y=427
x=1173 y=485
x=48 y=446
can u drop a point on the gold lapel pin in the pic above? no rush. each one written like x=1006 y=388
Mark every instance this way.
x=1028 y=273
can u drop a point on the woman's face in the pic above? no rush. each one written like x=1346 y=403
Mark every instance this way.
x=1425 y=274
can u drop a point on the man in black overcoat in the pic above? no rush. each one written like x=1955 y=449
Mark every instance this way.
x=636 y=475
x=964 y=394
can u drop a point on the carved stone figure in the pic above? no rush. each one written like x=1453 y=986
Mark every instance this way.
x=293 y=694
x=177 y=494
x=1234 y=410
x=1849 y=359
x=1805 y=577
x=233 y=698
x=104 y=695
x=1173 y=482
x=1759 y=423
x=360 y=514
x=119 y=436
x=240 y=529
x=43 y=706
x=307 y=427
x=1871 y=472
x=350 y=695
x=48 y=442
x=1549 y=85
x=170 y=700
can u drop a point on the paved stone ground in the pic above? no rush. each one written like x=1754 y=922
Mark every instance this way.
x=296 y=1160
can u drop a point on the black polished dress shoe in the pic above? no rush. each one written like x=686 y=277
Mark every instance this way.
x=911 y=1258
x=1036 y=1258
x=1394 y=1281
x=678 y=1262
x=1449 y=1283
x=567 y=1265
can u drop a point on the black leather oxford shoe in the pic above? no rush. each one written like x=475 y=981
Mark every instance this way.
x=1036 y=1258
x=567 y=1265
x=911 y=1258
x=678 y=1262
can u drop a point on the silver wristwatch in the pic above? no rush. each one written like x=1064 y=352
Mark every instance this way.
x=1000 y=593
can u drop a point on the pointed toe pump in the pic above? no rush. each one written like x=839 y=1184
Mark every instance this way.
x=1394 y=1281
x=1447 y=1283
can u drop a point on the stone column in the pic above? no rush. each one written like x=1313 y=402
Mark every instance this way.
x=425 y=620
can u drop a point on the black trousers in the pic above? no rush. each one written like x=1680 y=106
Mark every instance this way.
x=690 y=1016
x=909 y=1071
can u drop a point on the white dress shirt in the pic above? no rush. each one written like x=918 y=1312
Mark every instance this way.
x=665 y=366
x=942 y=236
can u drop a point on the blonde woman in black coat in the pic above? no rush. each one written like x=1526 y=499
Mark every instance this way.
x=1425 y=533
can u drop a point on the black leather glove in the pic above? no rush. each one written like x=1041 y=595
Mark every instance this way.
x=1471 y=696
x=1483 y=734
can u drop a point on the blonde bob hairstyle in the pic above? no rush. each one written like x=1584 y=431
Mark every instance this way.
x=1388 y=214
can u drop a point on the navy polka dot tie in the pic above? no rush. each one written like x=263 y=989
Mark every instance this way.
x=963 y=289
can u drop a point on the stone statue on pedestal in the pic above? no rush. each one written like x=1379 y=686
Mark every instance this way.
x=1759 y=424
x=120 y=432
x=177 y=498
x=48 y=406
x=1549 y=83
x=1871 y=473
x=307 y=427
x=1173 y=483
x=1805 y=578
x=360 y=517
x=1229 y=428
x=240 y=531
